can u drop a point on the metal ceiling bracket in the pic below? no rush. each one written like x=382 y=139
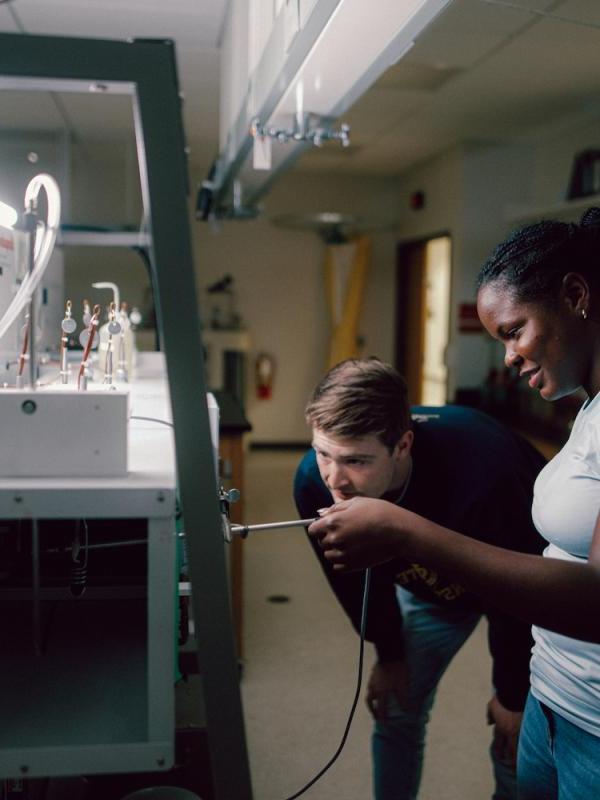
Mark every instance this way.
x=309 y=129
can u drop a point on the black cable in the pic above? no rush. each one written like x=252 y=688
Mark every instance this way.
x=363 y=626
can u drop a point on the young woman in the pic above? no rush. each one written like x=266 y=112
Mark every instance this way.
x=539 y=294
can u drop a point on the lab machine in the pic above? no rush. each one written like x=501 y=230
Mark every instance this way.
x=97 y=457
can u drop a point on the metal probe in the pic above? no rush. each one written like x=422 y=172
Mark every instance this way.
x=244 y=530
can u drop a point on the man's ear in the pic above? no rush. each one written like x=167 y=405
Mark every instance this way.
x=404 y=445
x=575 y=291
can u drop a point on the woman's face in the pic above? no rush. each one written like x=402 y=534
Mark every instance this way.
x=545 y=345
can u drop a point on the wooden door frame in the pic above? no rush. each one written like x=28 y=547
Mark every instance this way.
x=411 y=368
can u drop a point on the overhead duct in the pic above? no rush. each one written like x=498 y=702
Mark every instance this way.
x=286 y=81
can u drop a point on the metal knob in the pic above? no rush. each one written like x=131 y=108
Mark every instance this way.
x=232 y=496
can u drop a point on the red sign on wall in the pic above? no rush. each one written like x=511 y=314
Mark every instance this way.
x=468 y=321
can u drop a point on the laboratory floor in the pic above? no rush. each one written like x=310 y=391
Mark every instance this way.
x=300 y=671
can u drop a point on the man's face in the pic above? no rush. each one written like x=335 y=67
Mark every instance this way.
x=361 y=466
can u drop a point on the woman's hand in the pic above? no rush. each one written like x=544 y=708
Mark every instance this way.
x=359 y=533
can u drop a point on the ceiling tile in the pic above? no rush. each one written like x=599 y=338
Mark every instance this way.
x=194 y=23
x=410 y=75
x=381 y=109
x=581 y=10
x=465 y=32
x=490 y=70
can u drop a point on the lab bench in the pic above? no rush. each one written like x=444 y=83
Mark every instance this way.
x=86 y=680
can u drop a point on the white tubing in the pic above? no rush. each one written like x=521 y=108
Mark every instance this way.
x=44 y=244
x=114 y=289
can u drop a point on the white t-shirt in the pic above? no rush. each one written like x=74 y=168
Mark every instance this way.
x=565 y=672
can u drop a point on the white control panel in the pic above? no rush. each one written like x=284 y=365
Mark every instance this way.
x=53 y=433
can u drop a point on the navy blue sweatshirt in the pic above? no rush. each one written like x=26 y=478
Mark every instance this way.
x=474 y=476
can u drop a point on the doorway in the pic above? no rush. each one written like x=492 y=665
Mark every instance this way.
x=423 y=270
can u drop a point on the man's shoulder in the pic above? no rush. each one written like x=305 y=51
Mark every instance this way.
x=452 y=415
x=462 y=421
x=464 y=431
x=451 y=423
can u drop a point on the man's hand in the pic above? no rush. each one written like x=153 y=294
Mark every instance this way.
x=358 y=533
x=507 y=725
x=386 y=681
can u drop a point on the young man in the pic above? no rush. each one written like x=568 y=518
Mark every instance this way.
x=464 y=471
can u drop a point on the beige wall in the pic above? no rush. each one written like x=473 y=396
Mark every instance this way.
x=279 y=287
x=470 y=192
x=554 y=160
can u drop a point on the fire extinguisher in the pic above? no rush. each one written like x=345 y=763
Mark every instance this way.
x=264 y=374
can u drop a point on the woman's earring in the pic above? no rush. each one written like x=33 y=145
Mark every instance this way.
x=584 y=313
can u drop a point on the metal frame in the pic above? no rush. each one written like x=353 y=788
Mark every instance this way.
x=146 y=70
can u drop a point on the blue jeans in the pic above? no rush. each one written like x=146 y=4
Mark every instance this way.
x=557 y=760
x=433 y=634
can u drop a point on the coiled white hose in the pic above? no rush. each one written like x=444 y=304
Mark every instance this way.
x=44 y=245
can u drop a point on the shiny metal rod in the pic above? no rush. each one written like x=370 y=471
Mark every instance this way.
x=244 y=530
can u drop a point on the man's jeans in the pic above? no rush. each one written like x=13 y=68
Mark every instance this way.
x=556 y=758
x=432 y=635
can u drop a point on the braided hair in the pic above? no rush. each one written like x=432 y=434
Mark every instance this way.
x=533 y=260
